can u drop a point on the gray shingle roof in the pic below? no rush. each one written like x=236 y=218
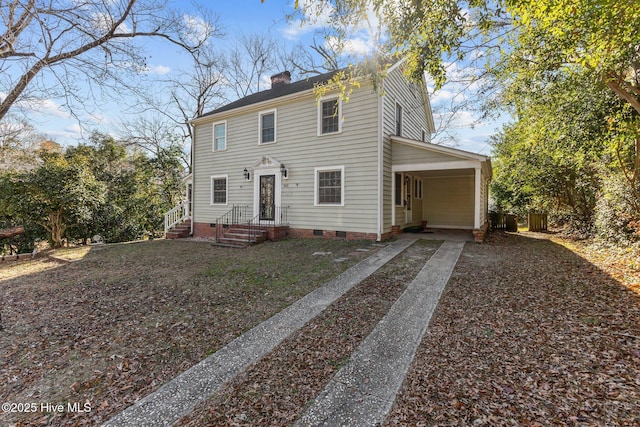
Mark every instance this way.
x=276 y=92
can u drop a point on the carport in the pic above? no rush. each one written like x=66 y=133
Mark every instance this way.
x=439 y=187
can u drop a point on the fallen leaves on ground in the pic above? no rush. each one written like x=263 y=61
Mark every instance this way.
x=526 y=333
x=275 y=390
x=120 y=321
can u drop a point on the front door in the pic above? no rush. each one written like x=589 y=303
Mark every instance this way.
x=267 y=197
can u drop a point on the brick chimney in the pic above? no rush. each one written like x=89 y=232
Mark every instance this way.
x=280 y=79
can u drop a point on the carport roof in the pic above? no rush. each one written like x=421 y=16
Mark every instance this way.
x=460 y=159
x=455 y=152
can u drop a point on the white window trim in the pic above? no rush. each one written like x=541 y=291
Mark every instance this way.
x=315 y=184
x=226 y=198
x=226 y=139
x=275 y=126
x=320 y=102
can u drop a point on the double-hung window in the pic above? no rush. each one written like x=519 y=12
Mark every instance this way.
x=329 y=112
x=329 y=186
x=219 y=189
x=220 y=136
x=267 y=127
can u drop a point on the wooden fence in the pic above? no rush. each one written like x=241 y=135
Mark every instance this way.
x=537 y=221
x=500 y=221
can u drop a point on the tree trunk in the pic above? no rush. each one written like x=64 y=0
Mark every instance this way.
x=6 y=233
x=56 y=227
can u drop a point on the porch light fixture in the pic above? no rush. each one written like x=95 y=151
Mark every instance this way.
x=283 y=171
x=247 y=175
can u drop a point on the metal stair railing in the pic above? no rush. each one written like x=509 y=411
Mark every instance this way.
x=237 y=215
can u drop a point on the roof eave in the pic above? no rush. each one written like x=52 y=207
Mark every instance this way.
x=456 y=152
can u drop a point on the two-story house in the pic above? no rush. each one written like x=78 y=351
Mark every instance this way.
x=300 y=165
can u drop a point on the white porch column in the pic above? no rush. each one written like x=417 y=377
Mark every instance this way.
x=477 y=198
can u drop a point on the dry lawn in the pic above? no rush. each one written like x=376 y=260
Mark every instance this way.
x=108 y=325
x=531 y=330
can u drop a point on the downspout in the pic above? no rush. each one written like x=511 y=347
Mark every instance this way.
x=477 y=197
x=193 y=177
x=381 y=163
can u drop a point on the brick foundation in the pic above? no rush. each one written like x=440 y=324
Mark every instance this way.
x=205 y=230
x=208 y=231
x=277 y=233
x=386 y=236
x=480 y=233
x=305 y=233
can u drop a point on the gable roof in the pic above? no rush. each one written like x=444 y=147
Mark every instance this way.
x=275 y=92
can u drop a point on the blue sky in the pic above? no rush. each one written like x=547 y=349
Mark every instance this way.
x=236 y=18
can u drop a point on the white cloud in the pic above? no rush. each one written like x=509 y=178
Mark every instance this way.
x=104 y=22
x=44 y=106
x=317 y=17
x=197 y=29
x=159 y=69
x=67 y=135
x=362 y=39
x=357 y=46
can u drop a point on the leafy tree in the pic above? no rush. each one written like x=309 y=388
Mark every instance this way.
x=601 y=36
x=561 y=154
x=526 y=38
x=138 y=188
x=55 y=196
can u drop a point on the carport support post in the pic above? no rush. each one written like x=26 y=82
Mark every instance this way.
x=478 y=195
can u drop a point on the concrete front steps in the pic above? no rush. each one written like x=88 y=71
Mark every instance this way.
x=241 y=236
x=179 y=231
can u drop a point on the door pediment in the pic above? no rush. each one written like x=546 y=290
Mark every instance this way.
x=266 y=162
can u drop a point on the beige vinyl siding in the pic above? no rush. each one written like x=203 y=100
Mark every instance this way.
x=408 y=155
x=484 y=200
x=301 y=150
x=414 y=121
x=408 y=95
x=449 y=201
x=397 y=90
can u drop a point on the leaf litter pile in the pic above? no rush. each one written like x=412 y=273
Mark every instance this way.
x=106 y=326
x=527 y=333
x=275 y=390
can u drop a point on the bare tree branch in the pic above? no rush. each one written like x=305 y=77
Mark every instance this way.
x=94 y=38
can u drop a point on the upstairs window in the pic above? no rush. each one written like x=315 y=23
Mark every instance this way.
x=398 y=120
x=268 y=127
x=329 y=116
x=220 y=136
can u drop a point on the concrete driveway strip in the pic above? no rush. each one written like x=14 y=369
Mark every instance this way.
x=363 y=391
x=179 y=396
